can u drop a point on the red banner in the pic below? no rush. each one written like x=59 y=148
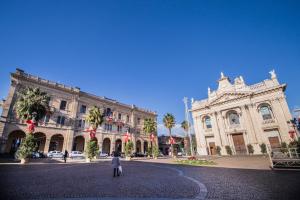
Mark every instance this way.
x=30 y=125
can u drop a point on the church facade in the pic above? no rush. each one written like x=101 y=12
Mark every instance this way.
x=237 y=115
x=65 y=128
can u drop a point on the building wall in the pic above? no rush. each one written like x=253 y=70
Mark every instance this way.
x=75 y=98
x=246 y=102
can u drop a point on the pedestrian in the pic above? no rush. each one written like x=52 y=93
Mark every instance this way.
x=66 y=155
x=115 y=164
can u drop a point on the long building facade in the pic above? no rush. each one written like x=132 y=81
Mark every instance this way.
x=65 y=128
x=237 y=114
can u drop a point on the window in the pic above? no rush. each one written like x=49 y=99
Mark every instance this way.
x=207 y=121
x=47 y=118
x=83 y=109
x=63 y=105
x=81 y=123
x=108 y=127
x=119 y=128
x=108 y=112
x=119 y=116
x=127 y=118
x=60 y=120
x=265 y=112
x=234 y=118
x=139 y=121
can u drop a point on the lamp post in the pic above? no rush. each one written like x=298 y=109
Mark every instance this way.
x=187 y=118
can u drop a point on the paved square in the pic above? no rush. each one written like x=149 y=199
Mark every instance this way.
x=144 y=180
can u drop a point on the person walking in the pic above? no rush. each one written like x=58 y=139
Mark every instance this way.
x=66 y=155
x=115 y=164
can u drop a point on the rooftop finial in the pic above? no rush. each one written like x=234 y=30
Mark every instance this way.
x=222 y=75
x=209 y=90
x=273 y=74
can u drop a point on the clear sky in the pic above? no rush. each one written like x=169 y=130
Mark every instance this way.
x=151 y=53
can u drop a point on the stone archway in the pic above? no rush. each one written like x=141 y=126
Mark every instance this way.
x=78 y=144
x=138 y=146
x=146 y=147
x=118 y=146
x=14 y=140
x=56 y=142
x=106 y=146
x=40 y=141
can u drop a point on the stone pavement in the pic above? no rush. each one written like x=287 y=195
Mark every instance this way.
x=144 y=180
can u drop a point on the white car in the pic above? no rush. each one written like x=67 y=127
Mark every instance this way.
x=103 y=155
x=55 y=154
x=76 y=154
x=179 y=154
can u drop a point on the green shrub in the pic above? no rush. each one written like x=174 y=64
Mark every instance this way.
x=218 y=150
x=128 y=148
x=263 y=148
x=91 y=149
x=27 y=146
x=228 y=150
x=155 y=151
x=250 y=149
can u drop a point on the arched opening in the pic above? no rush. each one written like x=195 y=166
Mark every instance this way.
x=40 y=141
x=56 y=142
x=145 y=147
x=106 y=146
x=14 y=140
x=138 y=146
x=118 y=146
x=207 y=122
x=265 y=111
x=78 y=144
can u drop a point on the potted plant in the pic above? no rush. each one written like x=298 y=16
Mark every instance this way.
x=250 y=149
x=27 y=146
x=128 y=150
x=91 y=150
x=228 y=150
x=155 y=152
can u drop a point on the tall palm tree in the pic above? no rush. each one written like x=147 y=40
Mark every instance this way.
x=32 y=105
x=95 y=118
x=150 y=127
x=169 y=123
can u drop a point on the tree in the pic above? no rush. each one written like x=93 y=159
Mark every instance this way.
x=185 y=126
x=150 y=127
x=128 y=149
x=95 y=118
x=169 y=123
x=32 y=105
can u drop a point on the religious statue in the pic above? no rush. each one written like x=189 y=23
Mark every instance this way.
x=273 y=74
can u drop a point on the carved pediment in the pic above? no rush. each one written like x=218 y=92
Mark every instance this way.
x=229 y=96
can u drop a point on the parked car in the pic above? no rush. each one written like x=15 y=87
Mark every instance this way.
x=160 y=154
x=179 y=154
x=139 y=154
x=76 y=154
x=55 y=154
x=37 y=154
x=103 y=155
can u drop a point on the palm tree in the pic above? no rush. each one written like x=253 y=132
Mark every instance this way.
x=95 y=118
x=150 y=127
x=32 y=105
x=185 y=126
x=169 y=123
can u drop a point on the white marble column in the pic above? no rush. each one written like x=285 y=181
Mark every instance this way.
x=216 y=130
x=201 y=143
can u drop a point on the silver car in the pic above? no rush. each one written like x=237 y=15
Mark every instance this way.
x=76 y=154
x=55 y=154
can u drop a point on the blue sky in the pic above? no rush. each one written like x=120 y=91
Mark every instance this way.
x=151 y=53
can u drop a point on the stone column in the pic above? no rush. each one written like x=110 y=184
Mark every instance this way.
x=257 y=123
x=247 y=125
x=281 y=120
x=142 y=146
x=221 y=122
x=200 y=137
x=47 y=144
x=100 y=141
x=216 y=130
x=113 y=144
